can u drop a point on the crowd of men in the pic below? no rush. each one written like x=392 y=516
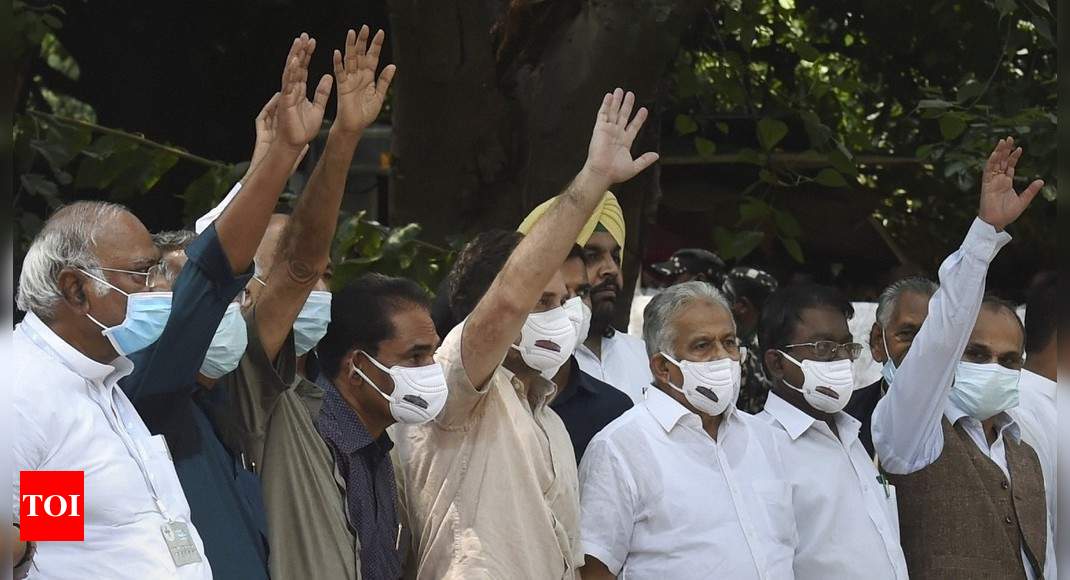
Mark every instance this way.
x=233 y=418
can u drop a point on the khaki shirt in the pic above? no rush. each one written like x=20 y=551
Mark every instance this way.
x=490 y=486
x=308 y=530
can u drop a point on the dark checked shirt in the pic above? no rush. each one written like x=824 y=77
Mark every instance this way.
x=755 y=386
x=371 y=492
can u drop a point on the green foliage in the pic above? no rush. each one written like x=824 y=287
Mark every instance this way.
x=933 y=84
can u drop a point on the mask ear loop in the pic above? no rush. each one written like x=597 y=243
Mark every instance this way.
x=365 y=377
x=797 y=364
x=109 y=285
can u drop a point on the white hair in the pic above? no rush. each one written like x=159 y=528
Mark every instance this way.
x=658 y=331
x=890 y=296
x=67 y=240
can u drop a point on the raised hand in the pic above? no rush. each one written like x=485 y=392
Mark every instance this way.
x=609 y=154
x=297 y=120
x=1000 y=204
x=360 y=97
x=265 y=136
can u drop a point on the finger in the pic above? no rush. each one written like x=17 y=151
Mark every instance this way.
x=362 y=40
x=289 y=57
x=1026 y=197
x=351 y=50
x=1008 y=146
x=626 y=109
x=385 y=78
x=339 y=71
x=323 y=92
x=645 y=160
x=376 y=47
x=290 y=86
x=310 y=47
x=992 y=164
x=1012 y=159
x=269 y=109
x=614 y=106
x=603 y=111
x=633 y=127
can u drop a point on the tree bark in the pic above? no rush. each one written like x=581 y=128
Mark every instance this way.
x=486 y=126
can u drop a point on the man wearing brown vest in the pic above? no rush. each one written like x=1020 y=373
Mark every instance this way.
x=970 y=492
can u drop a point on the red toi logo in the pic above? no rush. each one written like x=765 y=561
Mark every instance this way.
x=51 y=508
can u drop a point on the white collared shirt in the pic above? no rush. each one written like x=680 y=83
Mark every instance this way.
x=71 y=415
x=660 y=498
x=624 y=364
x=1037 y=415
x=907 y=434
x=847 y=517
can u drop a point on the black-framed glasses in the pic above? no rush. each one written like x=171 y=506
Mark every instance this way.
x=831 y=350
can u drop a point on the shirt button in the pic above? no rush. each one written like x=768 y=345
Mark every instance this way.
x=1008 y=520
x=1005 y=485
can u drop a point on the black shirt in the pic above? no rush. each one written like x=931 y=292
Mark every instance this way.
x=586 y=405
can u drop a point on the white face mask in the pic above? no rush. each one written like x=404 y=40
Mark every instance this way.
x=711 y=386
x=580 y=315
x=836 y=376
x=547 y=340
x=228 y=344
x=419 y=392
x=310 y=326
x=985 y=390
x=888 y=370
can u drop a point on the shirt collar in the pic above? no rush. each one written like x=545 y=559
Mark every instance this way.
x=83 y=366
x=340 y=423
x=667 y=411
x=1004 y=422
x=796 y=421
x=1046 y=386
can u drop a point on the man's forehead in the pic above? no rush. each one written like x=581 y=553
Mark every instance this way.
x=821 y=321
x=910 y=308
x=413 y=327
x=702 y=317
x=997 y=330
x=126 y=241
x=602 y=242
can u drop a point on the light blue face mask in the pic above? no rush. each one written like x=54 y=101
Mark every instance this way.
x=311 y=324
x=146 y=317
x=983 y=391
x=888 y=370
x=228 y=344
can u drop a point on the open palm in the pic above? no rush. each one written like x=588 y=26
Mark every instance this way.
x=360 y=97
x=1000 y=204
x=297 y=119
x=609 y=154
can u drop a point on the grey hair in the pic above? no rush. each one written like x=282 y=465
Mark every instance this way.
x=890 y=295
x=67 y=240
x=659 y=313
x=173 y=240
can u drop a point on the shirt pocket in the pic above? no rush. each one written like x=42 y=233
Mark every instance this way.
x=775 y=511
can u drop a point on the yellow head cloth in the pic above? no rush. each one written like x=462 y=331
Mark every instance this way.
x=607 y=217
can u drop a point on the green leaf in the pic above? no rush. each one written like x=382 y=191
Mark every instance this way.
x=744 y=242
x=771 y=132
x=100 y=173
x=37 y=184
x=750 y=156
x=786 y=224
x=400 y=236
x=952 y=125
x=793 y=248
x=841 y=162
x=685 y=125
x=806 y=51
x=768 y=177
x=787 y=4
x=818 y=132
x=924 y=151
x=830 y=178
x=705 y=147
x=753 y=211
x=970 y=90
x=1005 y=7
x=722 y=127
x=934 y=104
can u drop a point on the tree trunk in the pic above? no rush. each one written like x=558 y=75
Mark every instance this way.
x=494 y=105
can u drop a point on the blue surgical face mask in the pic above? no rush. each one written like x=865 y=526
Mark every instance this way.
x=146 y=317
x=311 y=324
x=888 y=370
x=983 y=391
x=228 y=344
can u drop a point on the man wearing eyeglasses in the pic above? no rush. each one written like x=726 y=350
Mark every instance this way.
x=972 y=501
x=846 y=513
x=684 y=485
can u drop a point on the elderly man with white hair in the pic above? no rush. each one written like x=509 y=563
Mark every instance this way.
x=91 y=287
x=684 y=485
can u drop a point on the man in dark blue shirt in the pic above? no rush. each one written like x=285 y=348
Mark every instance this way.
x=585 y=404
x=378 y=369
x=224 y=501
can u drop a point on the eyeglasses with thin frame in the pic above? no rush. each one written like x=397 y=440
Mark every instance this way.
x=831 y=350
x=153 y=276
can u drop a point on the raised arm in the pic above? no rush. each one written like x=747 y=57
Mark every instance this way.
x=304 y=250
x=297 y=121
x=497 y=319
x=906 y=422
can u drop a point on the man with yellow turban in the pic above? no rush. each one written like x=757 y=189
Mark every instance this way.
x=616 y=358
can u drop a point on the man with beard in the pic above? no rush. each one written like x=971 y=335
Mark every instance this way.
x=610 y=356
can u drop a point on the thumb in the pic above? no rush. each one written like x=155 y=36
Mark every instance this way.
x=1026 y=197
x=645 y=160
